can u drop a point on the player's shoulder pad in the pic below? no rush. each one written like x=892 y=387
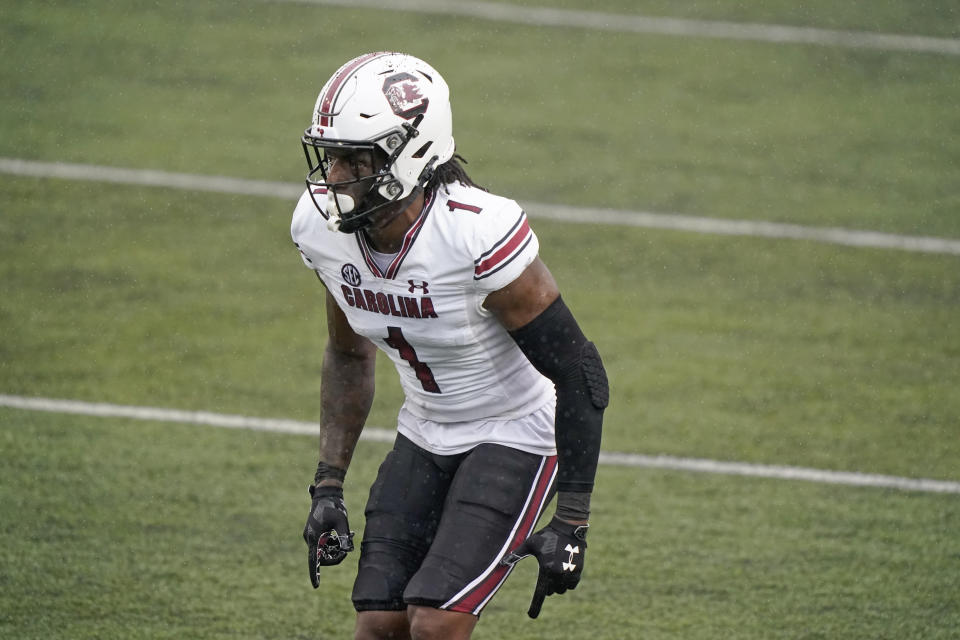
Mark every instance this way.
x=306 y=218
x=307 y=229
x=500 y=241
x=479 y=215
x=475 y=207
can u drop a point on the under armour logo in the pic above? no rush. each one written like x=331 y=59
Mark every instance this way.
x=572 y=550
x=414 y=286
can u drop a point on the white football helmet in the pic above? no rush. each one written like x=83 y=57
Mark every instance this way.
x=392 y=104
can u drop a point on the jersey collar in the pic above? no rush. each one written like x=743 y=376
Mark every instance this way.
x=408 y=239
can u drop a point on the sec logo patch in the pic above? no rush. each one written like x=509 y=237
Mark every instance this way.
x=351 y=275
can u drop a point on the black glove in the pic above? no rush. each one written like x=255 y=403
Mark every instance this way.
x=327 y=531
x=560 y=548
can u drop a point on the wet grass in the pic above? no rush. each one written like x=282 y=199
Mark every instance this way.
x=768 y=351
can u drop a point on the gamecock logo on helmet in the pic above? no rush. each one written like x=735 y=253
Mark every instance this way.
x=404 y=95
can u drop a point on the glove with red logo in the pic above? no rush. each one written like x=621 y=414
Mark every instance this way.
x=560 y=548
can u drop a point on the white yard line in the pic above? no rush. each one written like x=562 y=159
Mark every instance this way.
x=754 y=228
x=632 y=23
x=669 y=221
x=277 y=425
x=149 y=178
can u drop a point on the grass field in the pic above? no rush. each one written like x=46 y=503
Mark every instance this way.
x=737 y=349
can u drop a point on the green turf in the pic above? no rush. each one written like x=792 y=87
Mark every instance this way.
x=796 y=133
x=783 y=351
x=937 y=19
x=740 y=349
x=151 y=530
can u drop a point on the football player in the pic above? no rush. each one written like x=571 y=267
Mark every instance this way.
x=504 y=395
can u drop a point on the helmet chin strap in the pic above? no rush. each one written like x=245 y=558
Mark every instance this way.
x=391 y=213
x=342 y=203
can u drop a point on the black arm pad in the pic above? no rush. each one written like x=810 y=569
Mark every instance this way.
x=555 y=345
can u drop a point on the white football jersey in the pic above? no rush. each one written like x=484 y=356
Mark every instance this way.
x=464 y=378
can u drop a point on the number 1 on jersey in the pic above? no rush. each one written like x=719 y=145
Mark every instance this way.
x=396 y=340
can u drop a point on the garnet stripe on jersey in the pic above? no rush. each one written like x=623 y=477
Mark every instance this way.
x=474 y=599
x=506 y=262
x=487 y=266
x=365 y=252
x=330 y=97
x=408 y=239
x=506 y=237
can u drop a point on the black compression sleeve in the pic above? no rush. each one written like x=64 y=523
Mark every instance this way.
x=555 y=345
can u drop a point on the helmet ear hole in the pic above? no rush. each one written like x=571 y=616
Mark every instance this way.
x=422 y=151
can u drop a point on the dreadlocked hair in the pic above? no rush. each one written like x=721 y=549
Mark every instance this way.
x=451 y=171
